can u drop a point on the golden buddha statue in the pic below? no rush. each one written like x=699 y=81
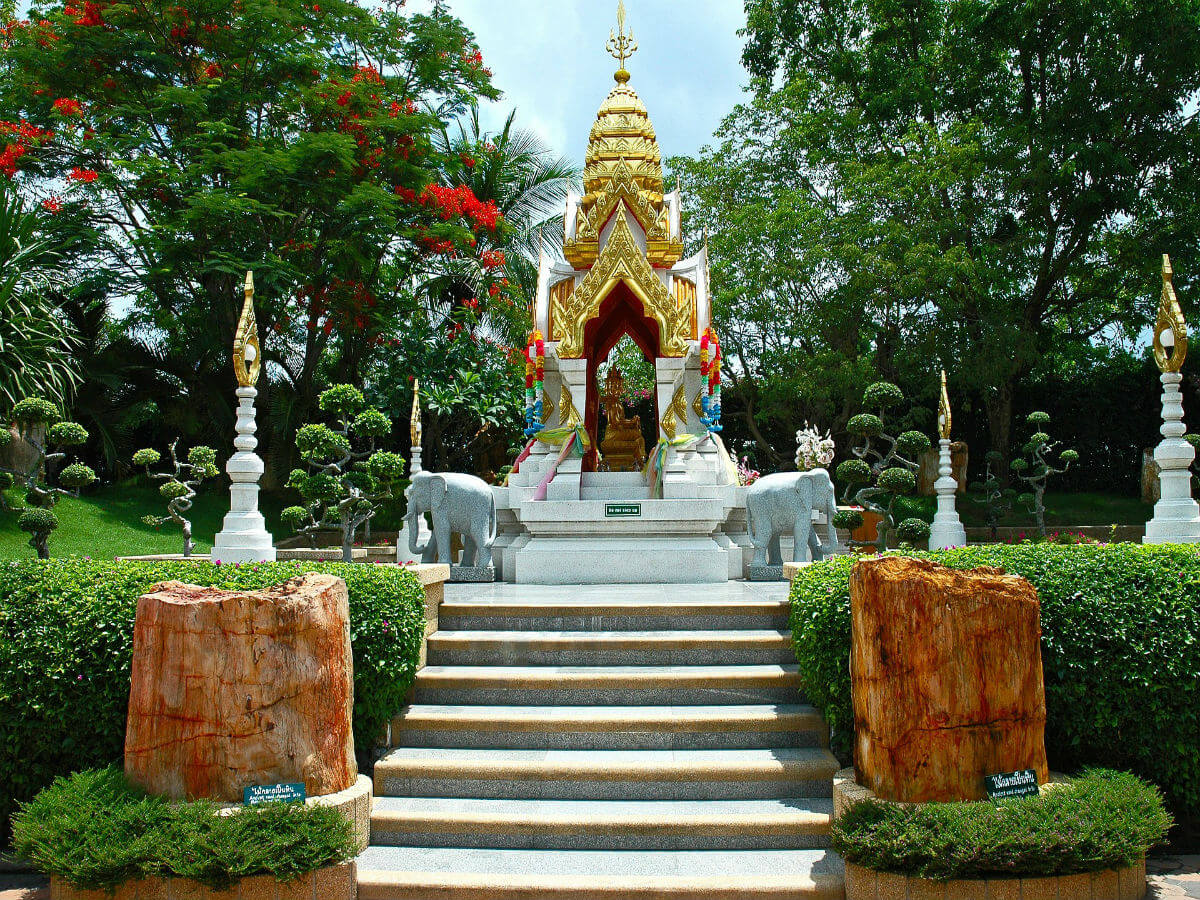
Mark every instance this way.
x=623 y=448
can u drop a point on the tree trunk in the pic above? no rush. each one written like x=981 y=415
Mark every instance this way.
x=946 y=673
x=999 y=405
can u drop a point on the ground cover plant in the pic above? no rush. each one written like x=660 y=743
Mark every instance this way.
x=98 y=831
x=1101 y=820
x=1120 y=652
x=66 y=633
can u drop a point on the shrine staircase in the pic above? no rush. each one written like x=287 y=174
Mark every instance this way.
x=604 y=742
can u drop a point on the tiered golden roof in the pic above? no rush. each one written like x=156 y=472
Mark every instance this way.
x=623 y=162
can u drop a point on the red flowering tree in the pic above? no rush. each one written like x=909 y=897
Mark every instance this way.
x=295 y=138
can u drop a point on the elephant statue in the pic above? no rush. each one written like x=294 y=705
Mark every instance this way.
x=784 y=502
x=458 y=504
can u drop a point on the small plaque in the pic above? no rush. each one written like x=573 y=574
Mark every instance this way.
x=623 y=511
x=273 y=793
x=1011 y=784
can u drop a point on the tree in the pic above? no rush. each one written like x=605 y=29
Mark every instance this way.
x=36 y=343
x=179 y=486
x=971 y=180
x=883 y=470
x=343 y=487
x=291 y=137
x=995 y=498
x=39 y=423
x=1036 y=469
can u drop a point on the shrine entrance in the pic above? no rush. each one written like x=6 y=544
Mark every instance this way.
x=620 y=314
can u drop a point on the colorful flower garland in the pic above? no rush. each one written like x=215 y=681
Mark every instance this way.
x=535 y=377
x=710 y=371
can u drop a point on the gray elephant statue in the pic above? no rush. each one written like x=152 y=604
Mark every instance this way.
x=457 y=504
x=783 y=503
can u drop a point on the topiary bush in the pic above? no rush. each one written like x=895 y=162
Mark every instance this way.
x=180 y=483
x=98 y=831
x=66 y=634
x=883 y=470
x=1035 y=469
x=1101 y=820
x=1120 y=653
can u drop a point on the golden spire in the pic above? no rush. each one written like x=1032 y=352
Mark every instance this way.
x=944 y=420
x=1170 y=331
x=414 y=425
x=621 y=45
x=247 y=354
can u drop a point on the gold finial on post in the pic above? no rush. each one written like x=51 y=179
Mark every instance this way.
x=621 y=45
x=414 y=424
x=247 y=353
x=1170 y=331
x=944 y=418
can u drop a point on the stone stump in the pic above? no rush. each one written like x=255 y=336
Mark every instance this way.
x=946 y=668
x=238 y=688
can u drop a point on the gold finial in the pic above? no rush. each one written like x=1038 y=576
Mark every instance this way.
x=414 y=426
x=247 y=354
x=944 y=420
x=1170 y=331
x=621 y=45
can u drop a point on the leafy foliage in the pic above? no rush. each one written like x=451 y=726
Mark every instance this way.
x=97 y=831
x=179 y=484
x=66 y=642
x=1036 y=469
x=342 y=488
x=1119 y=653
x=1101 y=820
x=891 y=462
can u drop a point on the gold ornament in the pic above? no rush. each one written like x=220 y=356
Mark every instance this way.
x=676 y=414
x=414 y=422
x=622 y=45
x=622 y=261
x=247 y=354
x=944 y=419
x=566 y=405
x=1170 y=331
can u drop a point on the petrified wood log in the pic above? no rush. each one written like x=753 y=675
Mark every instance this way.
x=239 y=688
x=946 y=668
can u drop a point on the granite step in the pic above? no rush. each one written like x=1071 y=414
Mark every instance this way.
x=608 y=685
x=414 y=873
x=609 y=727
x=780 y=824
x=526 y=774
x=590 y=614
x=619 y=648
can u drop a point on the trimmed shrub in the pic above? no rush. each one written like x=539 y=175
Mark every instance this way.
x=1120 y=652
x=1101 y=820
x=98 y=831
x=66 y=638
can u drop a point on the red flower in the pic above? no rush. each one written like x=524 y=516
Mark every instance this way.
x=52 y=205
x=492 y=259
x=68 y=107
x=212 y=70
x=468 y=161
x=343 y=99
x=87 y=176
x=472 y=303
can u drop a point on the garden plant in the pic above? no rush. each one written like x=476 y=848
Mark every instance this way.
x=39 y=424
x=180 y=483
x=883 y=470
x=343 y=486
x=1036 y=469
x=992 y=495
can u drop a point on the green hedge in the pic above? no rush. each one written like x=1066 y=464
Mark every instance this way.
x=1120 y=651
x=97 y=831
x=1101 y=820
x=66 y=635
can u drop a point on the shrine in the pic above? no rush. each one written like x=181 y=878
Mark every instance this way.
x=581 y=509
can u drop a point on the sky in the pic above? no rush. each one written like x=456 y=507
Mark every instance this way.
x=549 y=59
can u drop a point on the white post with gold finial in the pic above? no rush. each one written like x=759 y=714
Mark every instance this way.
x=244 y=536
x=947 y=529
x=404 y=541
x=1176 y=514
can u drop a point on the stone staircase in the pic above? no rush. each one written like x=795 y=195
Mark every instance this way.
x=606 y=742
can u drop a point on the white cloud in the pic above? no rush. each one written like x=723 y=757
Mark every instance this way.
x=549 y=59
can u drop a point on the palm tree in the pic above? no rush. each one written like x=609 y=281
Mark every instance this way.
x=37 y=343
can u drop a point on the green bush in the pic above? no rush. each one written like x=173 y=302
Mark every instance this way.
x=1120 y=652
x=97 y=831
x=1101 y=820
x=66 y=633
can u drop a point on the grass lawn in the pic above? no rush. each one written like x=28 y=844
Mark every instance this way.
x=107 y=522
x=1062 y=511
